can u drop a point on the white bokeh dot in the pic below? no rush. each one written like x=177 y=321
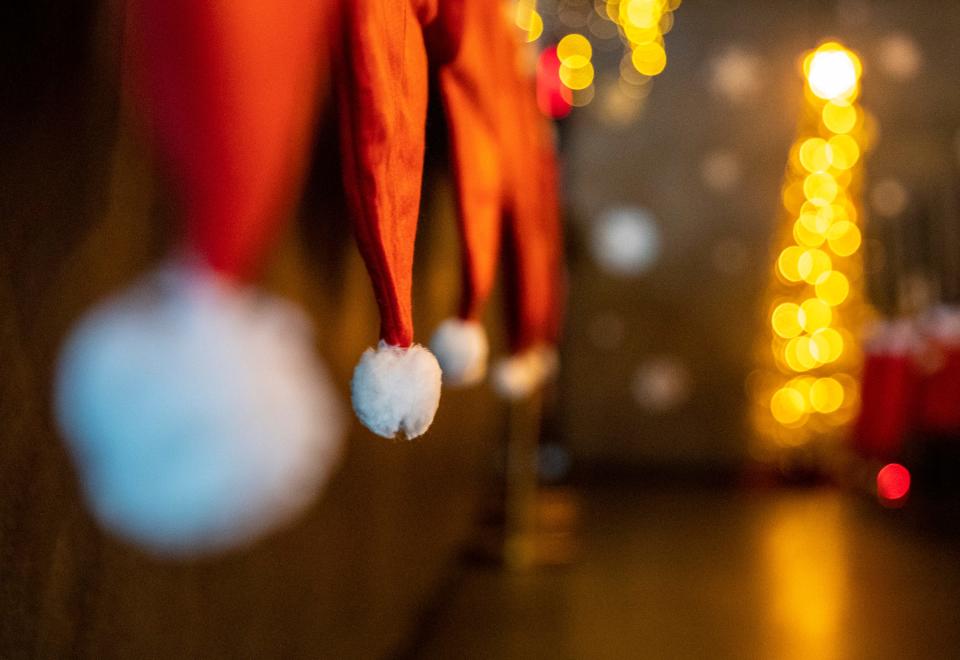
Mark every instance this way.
x=661 y=384
x=899 y=56
x=625 y=241
x=721 y=171
x=889 y=198
x=735 y=75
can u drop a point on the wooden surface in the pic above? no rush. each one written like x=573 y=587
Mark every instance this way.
x=82 y=215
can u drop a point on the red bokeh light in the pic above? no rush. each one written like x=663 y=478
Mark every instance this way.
x=893 y=482
x=551 y=98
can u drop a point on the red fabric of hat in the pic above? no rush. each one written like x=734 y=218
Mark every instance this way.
x=227 y=91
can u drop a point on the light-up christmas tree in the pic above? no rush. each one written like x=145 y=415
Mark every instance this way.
x=804 y=390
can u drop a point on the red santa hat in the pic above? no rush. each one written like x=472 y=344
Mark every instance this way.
x=475 y=109
x=533 y=249
x=938 y=407
x=381 y=89
x=504 y=170
x=888 y=389
x=193 y=405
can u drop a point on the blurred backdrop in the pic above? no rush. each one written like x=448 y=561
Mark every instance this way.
x=674 y=209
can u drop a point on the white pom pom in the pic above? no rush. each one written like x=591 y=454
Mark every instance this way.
x=197 y=413
x=517 y=376
x=461 y=348
x=396 y=390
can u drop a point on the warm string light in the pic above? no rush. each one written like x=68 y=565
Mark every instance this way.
x=641 y=25
x=805 y=385
x=529 y=20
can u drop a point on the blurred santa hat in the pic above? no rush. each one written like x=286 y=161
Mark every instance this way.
x=888 y=388
x=192 y=403
x=504 y=171
x=533 y=248
x=475 y=109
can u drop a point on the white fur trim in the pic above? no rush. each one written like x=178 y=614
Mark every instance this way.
x=517 y=376
x=942 y=323
x=898 y=336
x=396 y=390
x=197 y=413
x=462 y=349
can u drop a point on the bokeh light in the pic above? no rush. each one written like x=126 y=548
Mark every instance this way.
x=832 y=72
x=626 y=241
x=893 y=482
x=807 y=391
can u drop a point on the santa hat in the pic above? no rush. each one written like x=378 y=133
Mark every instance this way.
x=938 y=407
x=888 y=389
x=193 y=405
x=504 y=170
x=476 y=109
x=381 y=88
x=533 y=250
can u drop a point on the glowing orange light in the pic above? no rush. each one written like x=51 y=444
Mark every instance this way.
x=893 y=482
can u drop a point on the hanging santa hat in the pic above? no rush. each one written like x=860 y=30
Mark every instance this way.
x=888 y=389
x=476 y=109
x=381 y=86
x=504 y=171
x=533 y=249
x=938 y=406
x=193 y=404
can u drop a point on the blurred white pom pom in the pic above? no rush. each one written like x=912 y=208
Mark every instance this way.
x=517 y=376
x=396 y=390
x=461 y=348
x=197 y=413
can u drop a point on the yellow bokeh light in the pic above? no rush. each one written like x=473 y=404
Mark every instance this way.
x=535 y=28
x=820 y=188
x=844 y=150
x=788 y=263
x=577 y=78
x=803 y=236
x=785 y=320
x=832 y=72
x=816 y=307
x=832 y=288
x=815 y=155
x=844 y=238
x=839 y=118
x=649 y=59
x=814 y=314
x=826 y=395
x=641 y=13
x=826 y=345
x=798 y=354
x=812 y=264
x=574 y=45
x=582 y=97
x=787 y=405
x=793 y=197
